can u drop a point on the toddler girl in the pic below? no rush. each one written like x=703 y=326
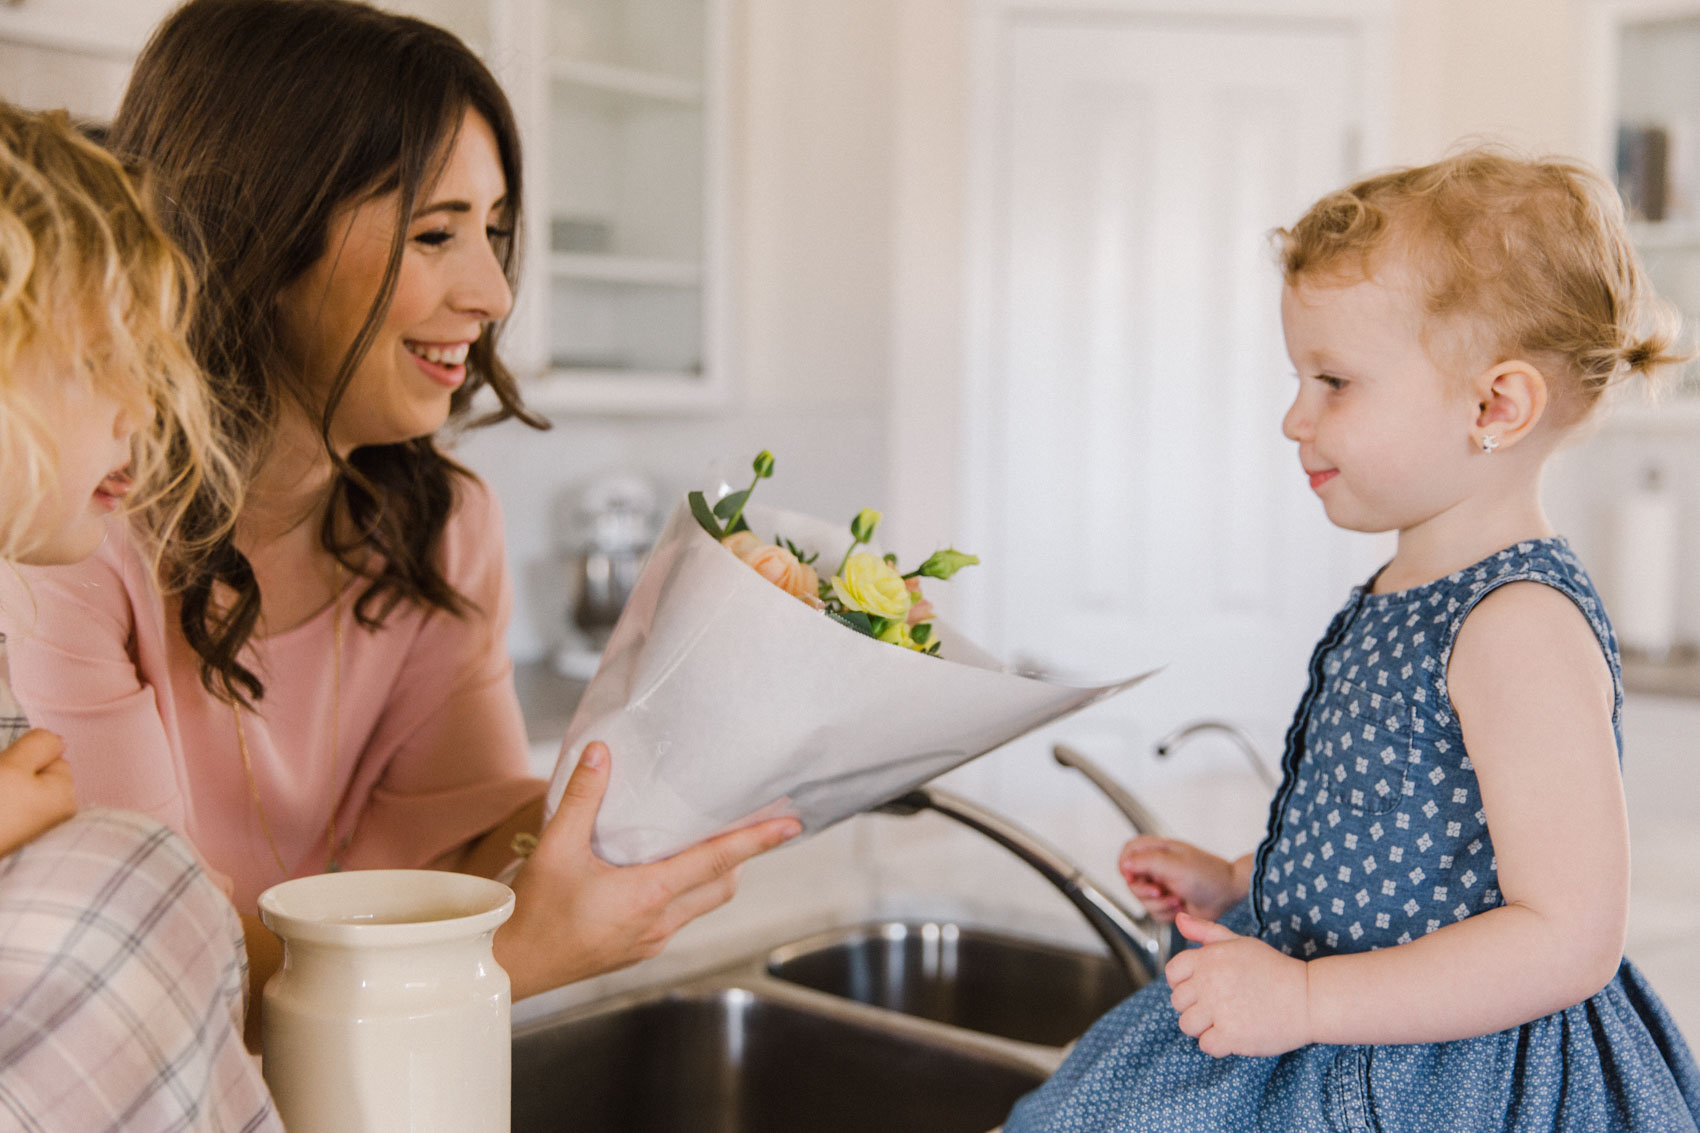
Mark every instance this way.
x=1430 y=935
x=121 y=964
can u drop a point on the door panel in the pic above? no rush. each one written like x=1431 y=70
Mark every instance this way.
x=1146 y=506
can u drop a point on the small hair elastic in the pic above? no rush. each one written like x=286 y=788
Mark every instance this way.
x=1489 y=442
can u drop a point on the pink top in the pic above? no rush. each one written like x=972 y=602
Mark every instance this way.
x=430 y=748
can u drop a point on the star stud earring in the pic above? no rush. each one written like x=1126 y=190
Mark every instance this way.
x=1489 y=442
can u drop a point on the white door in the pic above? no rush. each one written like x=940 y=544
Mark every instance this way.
x=1139 y=500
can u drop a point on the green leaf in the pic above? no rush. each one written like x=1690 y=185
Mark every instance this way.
x=921 y=634
x=796 y=551
x=933 y=649
x=704 y=514
x=943 y=564
x=880 y=625
x=855 y=619
x=729 y=505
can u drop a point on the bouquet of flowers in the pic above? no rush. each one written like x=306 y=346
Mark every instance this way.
x=866 y=592
x=740 y=685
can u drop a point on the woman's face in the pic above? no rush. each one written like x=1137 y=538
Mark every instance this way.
x=449 y=288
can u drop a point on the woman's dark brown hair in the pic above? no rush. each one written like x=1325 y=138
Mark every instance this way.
x=261 y=119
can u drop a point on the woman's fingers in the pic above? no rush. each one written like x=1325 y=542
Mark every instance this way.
x=705 y=898
x=720 y=855
x=574 y=819
x=33 y=751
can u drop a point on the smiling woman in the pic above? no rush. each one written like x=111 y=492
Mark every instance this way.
x=329 y=686
x=450 y=286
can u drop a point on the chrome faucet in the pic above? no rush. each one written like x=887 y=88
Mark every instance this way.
x=1136 y=943
x=1138 y=817
x=1169 y=743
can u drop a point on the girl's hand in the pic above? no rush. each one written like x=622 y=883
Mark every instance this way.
x=1236 y=994
x=35 y=789
x=1171 y=877
x=576 y=916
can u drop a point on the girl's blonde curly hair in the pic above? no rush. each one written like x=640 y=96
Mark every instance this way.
x=1524 y=258
x=91 y=286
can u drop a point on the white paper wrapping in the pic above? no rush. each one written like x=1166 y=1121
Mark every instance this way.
x=725 y=700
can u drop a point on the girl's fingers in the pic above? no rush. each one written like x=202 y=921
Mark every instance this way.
x=1201 y=931
x=1144 y=846
x=33 y=751
x=1179 y=968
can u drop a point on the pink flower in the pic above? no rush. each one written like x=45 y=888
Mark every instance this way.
x=742 y=543
x=920 y=610
x=776 y=564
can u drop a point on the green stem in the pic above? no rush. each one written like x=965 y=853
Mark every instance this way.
x=732 y=524
x=841 y=562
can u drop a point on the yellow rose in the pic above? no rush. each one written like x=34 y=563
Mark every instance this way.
x=870 y=584
x=896 y=633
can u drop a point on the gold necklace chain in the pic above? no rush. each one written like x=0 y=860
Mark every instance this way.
x=331 y=864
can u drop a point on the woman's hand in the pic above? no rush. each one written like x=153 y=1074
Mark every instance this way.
x=576 y=916
x=1171 y=877
x=35 y=789
x=1236 y=994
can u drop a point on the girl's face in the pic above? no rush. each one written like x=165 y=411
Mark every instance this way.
x=1383 y=432
x=85 y=483
x=450 y=285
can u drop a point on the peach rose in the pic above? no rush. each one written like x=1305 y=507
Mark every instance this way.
x=776 y=564
x=742 y=543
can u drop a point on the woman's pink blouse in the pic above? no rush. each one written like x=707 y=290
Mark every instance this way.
x=429 y=748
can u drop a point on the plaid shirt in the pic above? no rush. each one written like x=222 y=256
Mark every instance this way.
x=122 y=976
x=13 y=723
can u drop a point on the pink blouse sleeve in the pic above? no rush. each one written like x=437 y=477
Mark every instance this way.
x=72 y=638
x=76 y=649
x=451 y=741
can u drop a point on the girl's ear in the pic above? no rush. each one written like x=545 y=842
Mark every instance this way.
x=1510 y=399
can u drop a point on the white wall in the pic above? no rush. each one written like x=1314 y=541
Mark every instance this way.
x=813 y=109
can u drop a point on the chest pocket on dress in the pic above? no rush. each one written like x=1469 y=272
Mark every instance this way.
x=1368 y=736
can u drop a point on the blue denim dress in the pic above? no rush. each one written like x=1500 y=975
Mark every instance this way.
x=1377 y=836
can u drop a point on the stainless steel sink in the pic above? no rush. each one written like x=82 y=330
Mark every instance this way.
x=895 y=1026
x=731 y=1060
x=985 y=981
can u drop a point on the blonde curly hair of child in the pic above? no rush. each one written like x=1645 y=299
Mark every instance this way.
x=91 y=285
x=1519 y=257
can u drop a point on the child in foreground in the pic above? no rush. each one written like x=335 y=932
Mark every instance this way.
x=121 y=964
x=1430 y=935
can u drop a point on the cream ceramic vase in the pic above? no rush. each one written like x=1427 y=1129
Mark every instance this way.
x=390 y=1012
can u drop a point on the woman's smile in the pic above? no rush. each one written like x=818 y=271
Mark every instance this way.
x=442 y=362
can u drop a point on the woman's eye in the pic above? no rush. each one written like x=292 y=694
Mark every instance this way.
x=1332 y=382
x=434 y=238
x=494 y=233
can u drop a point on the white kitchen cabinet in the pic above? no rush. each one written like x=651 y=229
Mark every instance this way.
x=1642 y=88
x=1641 y=71
x=622 y=106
